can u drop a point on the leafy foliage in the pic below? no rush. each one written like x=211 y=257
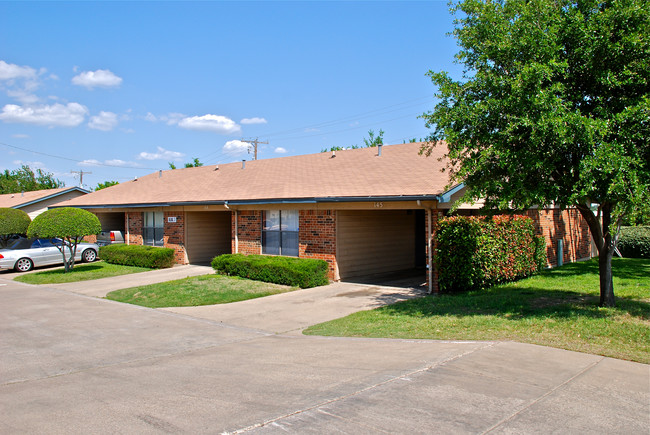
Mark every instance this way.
x=301 y=272
x=105 y=184
x=25 y=180
x=475 y=252
x=635 y=242
x=195 y=163
x=372 y=140
x=69 y=224
x=138 y=255
x=553 y=107
x=12 y=221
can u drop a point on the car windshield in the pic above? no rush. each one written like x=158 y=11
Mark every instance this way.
x=21 y=243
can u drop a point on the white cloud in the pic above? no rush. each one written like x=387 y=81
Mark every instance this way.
x=162 y=154
x=100 y=78
x=90 y=162
x=170 y=118
x=118 y=162
x=113 y=162
x=236 y=147
x=20 y=136
x=280 y=150
x=33 y=165
x=215 y=123
x=56 y=115
x=105 y=121
x=253 y=121
x=10 y=71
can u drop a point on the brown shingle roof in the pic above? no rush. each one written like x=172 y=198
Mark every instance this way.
x=352 y=173
x=9 y=200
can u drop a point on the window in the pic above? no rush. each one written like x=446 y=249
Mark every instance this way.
x=280 y=232
x=153 y=230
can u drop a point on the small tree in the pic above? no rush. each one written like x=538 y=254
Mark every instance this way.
x=70 y=225
x=373 y=140
x=12 y=221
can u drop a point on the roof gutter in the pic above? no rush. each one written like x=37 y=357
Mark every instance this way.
x=324 y=199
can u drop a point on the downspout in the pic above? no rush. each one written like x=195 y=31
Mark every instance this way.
x=429 y=249
x=128 y=232
x=236 y=231
x=236 y=226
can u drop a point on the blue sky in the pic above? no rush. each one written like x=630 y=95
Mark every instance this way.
x=120 y=89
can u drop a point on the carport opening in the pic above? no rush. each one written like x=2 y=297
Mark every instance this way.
x=383 y=247
x=112 y=221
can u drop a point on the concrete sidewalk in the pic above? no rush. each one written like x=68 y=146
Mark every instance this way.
x=101 y=287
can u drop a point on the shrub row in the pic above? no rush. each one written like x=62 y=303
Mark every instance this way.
x=634 y=242
x=301 y=272
x=138 y=255
x=478 y=252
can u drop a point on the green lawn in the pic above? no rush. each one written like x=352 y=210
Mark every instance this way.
x=198 y=290
x=558 y=308
x=80 y=272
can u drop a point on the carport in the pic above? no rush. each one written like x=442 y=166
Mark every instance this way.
x=208 y=234
x=376 y=243
x=111 y=221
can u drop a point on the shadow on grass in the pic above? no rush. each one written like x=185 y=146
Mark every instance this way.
x=538 y=300
x=77 y=268
x=626 y=268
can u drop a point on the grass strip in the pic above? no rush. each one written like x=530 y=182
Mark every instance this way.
x=198 y=290
x=80 y=272
x=557 y=308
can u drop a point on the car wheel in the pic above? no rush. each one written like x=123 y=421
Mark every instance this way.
x=89 y=255
x=24 y=265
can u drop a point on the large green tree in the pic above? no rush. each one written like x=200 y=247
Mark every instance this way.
x=12 y=222
x=26 y=180
x=553 y=108
x=70 y=225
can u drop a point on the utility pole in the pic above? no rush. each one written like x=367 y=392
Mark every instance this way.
x=254 y=143
x=81 y=177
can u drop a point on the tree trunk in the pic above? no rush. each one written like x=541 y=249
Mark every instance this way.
x=605 y=245
x=606 y=278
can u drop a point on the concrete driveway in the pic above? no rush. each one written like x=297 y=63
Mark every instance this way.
x=70 y=363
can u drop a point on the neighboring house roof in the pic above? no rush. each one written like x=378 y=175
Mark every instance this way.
x=399 y=173
x=24 y=199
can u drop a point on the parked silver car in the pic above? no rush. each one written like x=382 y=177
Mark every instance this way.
x=25 y=254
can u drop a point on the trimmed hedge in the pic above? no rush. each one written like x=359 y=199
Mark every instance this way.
x=138 y=255
x=301 y=272
x=479 y=252
x=634 y=242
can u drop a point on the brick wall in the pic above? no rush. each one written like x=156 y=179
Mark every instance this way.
x=317 y=237
x=134 y=229
x=566 y=225
x=250 y=232
x=174 y=235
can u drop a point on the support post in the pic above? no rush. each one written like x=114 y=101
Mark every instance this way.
x=429 y=249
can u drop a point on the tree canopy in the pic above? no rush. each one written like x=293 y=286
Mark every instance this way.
x=105 y=184
x=553 y=108
x=195 y=163
x=68 y=224
x=12 y=222
x=26 y=180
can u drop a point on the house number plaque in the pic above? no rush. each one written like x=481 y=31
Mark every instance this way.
x=171 y=219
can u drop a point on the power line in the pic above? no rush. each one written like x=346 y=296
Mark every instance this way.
x=74 y=160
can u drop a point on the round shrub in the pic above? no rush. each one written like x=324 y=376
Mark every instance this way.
x=12 y=221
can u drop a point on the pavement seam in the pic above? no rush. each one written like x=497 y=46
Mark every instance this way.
x=361 y=391
x=542 y=397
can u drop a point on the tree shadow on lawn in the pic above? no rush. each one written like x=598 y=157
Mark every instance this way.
x=519 y=303
x=628 y=268
x=77 y=268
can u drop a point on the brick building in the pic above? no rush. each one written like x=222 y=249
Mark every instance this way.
x=365 y=211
